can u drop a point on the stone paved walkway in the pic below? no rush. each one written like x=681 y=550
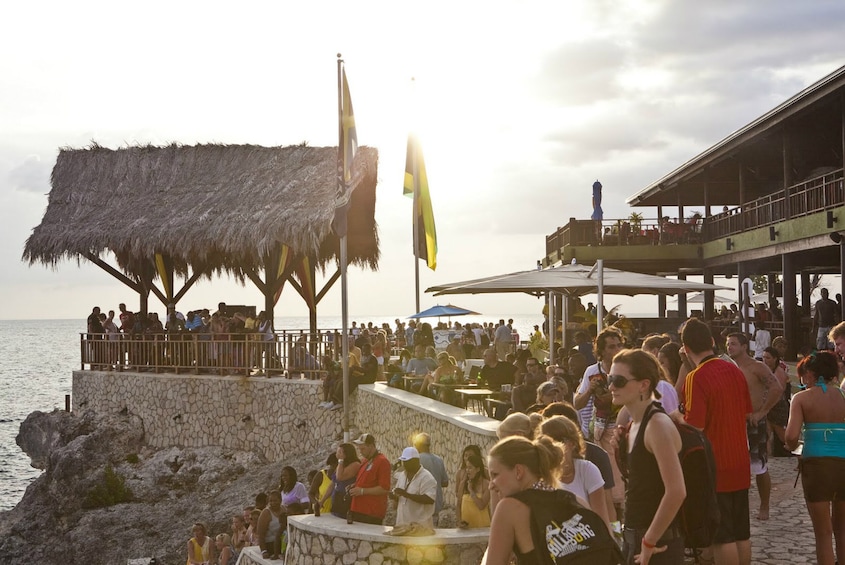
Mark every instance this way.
x=787 y=536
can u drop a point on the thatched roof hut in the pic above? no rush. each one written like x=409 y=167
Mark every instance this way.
x=211 y=207
x=199 y=210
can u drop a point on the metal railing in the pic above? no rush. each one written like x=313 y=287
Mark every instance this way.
x=811 y=196
x=289 y=353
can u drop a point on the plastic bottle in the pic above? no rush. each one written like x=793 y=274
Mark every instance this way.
x=349 y=517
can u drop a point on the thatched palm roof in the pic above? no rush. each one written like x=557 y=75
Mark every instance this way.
x=209 y=206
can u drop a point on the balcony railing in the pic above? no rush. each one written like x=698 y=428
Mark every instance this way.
x=814 y=195
x=290 y=353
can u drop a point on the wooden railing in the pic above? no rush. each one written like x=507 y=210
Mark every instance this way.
x=814 y=195
x=290 y=353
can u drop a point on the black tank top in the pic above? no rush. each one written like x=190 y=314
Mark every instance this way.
x=645 y=487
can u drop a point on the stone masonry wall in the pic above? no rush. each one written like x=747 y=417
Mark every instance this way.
x=394 y=416
x=276 y=417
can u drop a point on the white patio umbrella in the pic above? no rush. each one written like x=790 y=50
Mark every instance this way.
x=698 y=298
x=575 y=280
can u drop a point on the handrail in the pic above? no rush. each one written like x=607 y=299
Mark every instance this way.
x=289 y=353
x=814 y=195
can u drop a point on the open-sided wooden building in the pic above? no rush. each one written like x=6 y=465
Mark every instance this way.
x=258 y=213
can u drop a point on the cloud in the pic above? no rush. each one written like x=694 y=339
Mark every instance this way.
x=33 y=175
x=581 y=73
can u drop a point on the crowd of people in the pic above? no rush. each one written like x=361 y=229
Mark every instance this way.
x=599 y=423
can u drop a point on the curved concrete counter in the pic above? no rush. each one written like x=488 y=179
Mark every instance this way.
x=328 y=539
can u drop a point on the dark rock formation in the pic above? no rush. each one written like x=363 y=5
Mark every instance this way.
x=91 y=460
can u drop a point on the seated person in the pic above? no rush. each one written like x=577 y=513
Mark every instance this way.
x=547 y=393
x=447 y=372
x=496 y=373
x=421 y=365
x=333 y=375
x=367 y=371
x=524 y=395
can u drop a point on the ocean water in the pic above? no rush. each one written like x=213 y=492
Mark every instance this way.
x=37 y=358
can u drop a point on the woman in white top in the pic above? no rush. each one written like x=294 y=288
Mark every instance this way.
x=578 y=476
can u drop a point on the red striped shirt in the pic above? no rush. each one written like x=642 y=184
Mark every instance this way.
x=716 y=399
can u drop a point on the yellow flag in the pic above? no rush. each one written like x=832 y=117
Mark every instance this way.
x=427 y=233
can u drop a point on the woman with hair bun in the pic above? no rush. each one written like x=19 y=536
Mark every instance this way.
x=577 y=475
x=534 y=520
x=655 y=488
x=519 y=424
x=820 y=411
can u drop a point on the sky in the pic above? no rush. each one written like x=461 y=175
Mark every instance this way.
x=520 y=107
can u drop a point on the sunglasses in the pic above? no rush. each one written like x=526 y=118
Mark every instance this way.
x=619 y=381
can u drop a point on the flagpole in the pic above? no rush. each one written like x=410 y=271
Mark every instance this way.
x=344 y=298
x=416 y=172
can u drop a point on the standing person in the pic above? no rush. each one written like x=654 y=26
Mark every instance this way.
x=473 y=504
x=820 y=412
x=523 y=474
x=837 y=338
x=369 y=493
x=343 y=477
x=578 y=476
x=778 y=416
x=715 y=399
x=433 y=464
x=595 y=405
x=502 y=340
x=655 y=488
x=226 y=553
x=200 y=547
x=826 y=314
x=765 y=391
x=415 y=491
x=320 y=490
x=271 y=522
x=295 y=498
x=462 y=475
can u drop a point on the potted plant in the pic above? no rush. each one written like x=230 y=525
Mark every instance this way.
x=636 y=221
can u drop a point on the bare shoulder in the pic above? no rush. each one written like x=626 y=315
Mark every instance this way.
x=661 y=423
x=513 y=509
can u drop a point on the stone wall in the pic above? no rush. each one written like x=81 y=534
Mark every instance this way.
x=330 y=540
x=394 y=416
x=278 y=417
x=275 y=417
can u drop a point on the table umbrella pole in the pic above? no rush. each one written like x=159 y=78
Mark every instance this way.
x=600 y=299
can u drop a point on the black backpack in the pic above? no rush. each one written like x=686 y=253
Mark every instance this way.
x=698 y=517
x=564 y=532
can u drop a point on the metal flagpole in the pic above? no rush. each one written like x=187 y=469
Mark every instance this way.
x=344 y=298
x=416 y=173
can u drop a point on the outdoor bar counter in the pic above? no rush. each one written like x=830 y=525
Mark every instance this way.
x=327 y=539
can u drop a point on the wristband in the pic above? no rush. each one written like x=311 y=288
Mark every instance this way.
x=647 y=544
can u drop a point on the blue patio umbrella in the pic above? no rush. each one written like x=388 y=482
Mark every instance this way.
x=438 y=311
x=598 y=213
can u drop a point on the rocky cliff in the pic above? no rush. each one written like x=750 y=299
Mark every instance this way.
x=105 y=496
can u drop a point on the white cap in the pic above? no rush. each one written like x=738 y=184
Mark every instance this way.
x=409 y=453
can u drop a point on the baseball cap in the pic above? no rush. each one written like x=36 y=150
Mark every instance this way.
x=409 y=453
x=365 y=438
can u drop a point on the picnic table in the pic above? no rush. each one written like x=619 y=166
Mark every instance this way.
x=409 y=380
x=473 y=398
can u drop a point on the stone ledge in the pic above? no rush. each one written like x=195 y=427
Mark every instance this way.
x=334 y=526
x=465 y=419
